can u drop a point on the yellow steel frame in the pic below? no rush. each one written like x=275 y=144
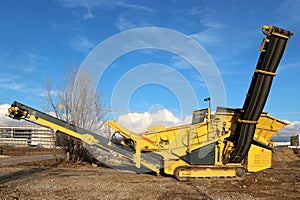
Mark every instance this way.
x=87 y=138
x=185 y=139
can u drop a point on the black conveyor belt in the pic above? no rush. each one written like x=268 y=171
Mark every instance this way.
x=271 y=53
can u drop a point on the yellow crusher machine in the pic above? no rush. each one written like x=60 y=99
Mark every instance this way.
x=228 y=143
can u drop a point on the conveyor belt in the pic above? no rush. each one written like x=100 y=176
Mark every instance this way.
x=271 y=52
x=21 y=111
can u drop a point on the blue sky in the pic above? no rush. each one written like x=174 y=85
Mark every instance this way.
x=40 y=39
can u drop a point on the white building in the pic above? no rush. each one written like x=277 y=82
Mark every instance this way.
x=281 y=144
x=27 y=136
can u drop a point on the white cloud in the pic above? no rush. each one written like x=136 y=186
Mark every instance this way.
x=20 y=64
x=81 y=43
x=123 y=24
x=36 y=91
x=4 y=108
x=23 y=61
x=11 y=85
x=103 y=3
x=210 y=35
x=196 y=11
x=206 y=36
x=290 y=130
x=89 y=14
x=289 y=66
x=9 y=82
x=139 y=122
x=126 y=22
x=34 y=61
x=108 y=4
x=180 y=63
x=188 y=119
x=193 y=75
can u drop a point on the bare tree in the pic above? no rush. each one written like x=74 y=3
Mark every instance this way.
x=79 y=104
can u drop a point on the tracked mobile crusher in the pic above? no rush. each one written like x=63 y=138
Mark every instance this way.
x=226 y=144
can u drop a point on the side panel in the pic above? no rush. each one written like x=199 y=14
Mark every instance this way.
x=202 y=156
x=258 y=159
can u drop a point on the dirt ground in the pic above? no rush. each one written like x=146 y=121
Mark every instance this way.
x=39 y=174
